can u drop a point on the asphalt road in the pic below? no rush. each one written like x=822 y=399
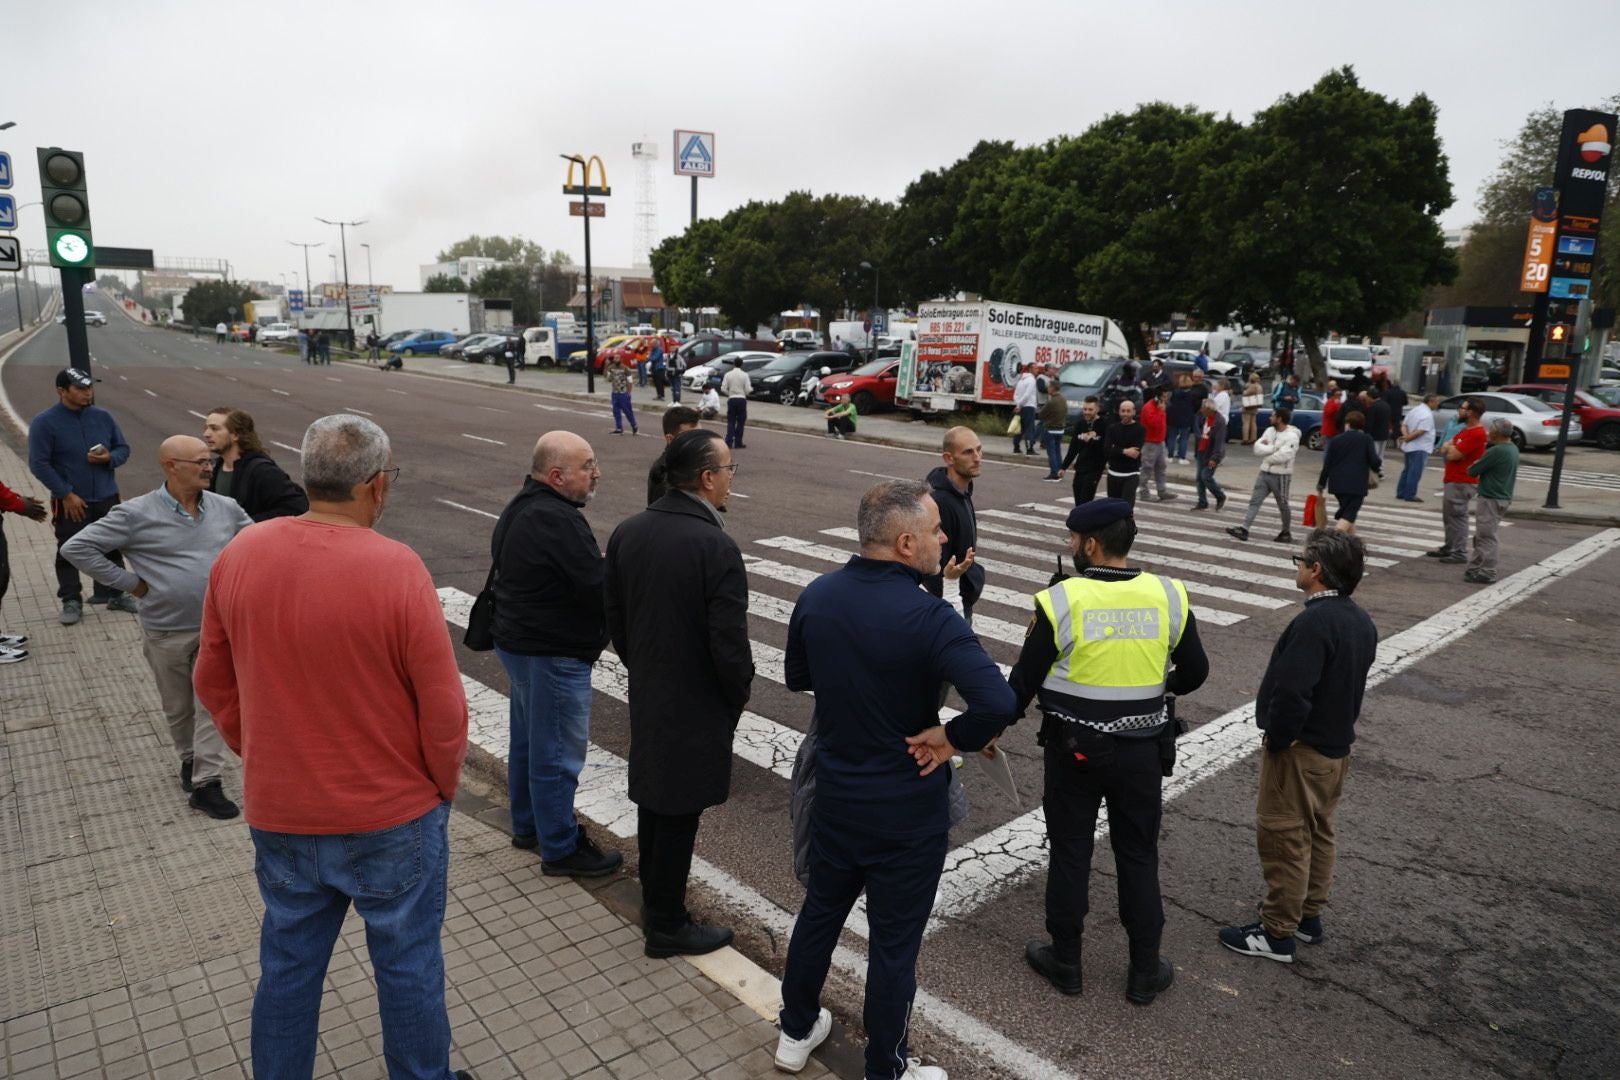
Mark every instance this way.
x=1474 y=916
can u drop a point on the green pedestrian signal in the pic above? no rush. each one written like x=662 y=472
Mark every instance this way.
x=67 y=208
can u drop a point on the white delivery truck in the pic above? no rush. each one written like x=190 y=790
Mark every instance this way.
x=967 y=353
x=450 y=312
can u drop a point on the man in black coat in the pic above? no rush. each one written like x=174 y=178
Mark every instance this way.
x=1346 y=464
x=951 y=485
x=244 y=472
x=677 y=606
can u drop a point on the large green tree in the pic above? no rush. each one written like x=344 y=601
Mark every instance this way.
x=210 y=302
x=922 y=259
x=444 y=283
x=505 y=248
x=1324 y=212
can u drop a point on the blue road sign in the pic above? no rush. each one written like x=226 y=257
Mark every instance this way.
x=8 y=213
x=295 y=300
x=5 y=169
x=880 y=321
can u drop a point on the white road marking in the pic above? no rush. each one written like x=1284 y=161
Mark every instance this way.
x=1000 y=859
x=145 y=391
x=197 y=414
x=480 y=438
x=470 y=510
x=351 y=408
x=233 y=378
x=283 y=393
x=491 y=408
x=333 y=378
x=401 y=393
x=121 y=378
x=284 y=446
x=880 y=475
x=602 y=797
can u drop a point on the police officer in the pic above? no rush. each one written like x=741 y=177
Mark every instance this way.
x=1103 y=650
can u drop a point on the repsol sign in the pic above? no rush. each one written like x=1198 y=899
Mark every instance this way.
x=1589 y=174
x=1034 y=320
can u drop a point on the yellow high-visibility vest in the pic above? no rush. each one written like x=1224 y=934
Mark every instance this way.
x=1114 y=637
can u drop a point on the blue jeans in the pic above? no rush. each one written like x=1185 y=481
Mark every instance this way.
x=622 y=411
x=1026 y=428
x=641 y=373
x=1206 y=481
x=900 y=878
x=1412 y=474
x=1054 y=450
x=675 y=386
x=396 y=880
x=1177 y=441
x=551 y=722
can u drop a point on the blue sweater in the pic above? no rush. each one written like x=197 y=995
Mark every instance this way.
x=874 y=648
x=59 y=441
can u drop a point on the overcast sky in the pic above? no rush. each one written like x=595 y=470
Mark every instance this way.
x=221 y=129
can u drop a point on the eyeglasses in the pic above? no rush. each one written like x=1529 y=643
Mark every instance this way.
x=1303 y=560
x=732 y=468
x=392 y=474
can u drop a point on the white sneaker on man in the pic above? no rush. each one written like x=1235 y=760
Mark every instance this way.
x=916 y=1070
x=12 y=656
x=13 y=641
x=792 y=1055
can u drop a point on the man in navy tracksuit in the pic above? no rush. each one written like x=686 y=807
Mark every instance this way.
x=874 y=647
x=73 y=448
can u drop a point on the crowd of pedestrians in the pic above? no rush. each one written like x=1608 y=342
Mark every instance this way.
x=204 y=561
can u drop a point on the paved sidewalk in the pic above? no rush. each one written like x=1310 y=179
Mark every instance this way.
x=129 y=922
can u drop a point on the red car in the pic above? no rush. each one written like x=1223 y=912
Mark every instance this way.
x=870 y=386
x=1599 y=422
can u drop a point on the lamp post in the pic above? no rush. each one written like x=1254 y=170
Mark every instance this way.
x=871 y=335
x=590 y=311
x=308 y=296
x=348 y=308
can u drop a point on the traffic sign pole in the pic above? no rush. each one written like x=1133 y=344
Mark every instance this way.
x=73 y=279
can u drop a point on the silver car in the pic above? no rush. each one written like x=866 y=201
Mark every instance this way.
x=1535 y=423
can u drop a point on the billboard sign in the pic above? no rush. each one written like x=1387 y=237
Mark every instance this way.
x=694 y=153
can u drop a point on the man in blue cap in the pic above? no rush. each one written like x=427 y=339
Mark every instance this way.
x=1103 y=650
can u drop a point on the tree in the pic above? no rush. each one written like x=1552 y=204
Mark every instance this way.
x=210 y=302
x=444 y=283
x=1324 y=211
x=513 y=249
x=920 y=260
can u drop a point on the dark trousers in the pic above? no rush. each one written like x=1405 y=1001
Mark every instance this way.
x=1130 y=785
x=1026 y=429
x=68 y=585
x=1124 y=487
x=841 y=424
x=5 y=565
x=660 y=382
x=665 y=843
x=511 y=369
x=1085 y=484
x=736 y=419
x=900 y=877
x=1207 y=484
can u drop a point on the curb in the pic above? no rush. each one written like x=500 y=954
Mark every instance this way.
x=1565 y=516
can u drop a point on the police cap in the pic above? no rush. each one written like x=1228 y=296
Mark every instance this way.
x=1097 y=514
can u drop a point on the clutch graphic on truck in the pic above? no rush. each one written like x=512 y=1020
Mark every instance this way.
x=969 y=353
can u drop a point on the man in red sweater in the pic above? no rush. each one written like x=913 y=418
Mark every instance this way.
x=327 y=666
x=1331 y=404
x=1155 y=461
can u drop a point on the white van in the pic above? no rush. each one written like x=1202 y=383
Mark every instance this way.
x=540 y=346
x=798 y=337
x=1214 y=342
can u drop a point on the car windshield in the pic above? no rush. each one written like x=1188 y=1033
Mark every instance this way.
x=1085 y=373
x=1350 y=354
x=872 y=367
x=1531 y=404
x=1608 y=395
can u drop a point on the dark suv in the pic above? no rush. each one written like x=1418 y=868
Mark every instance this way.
x=702 y=350
x=780 y=379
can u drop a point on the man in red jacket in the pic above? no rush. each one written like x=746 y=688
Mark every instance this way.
x=336 y=682
x=1331 y=404
x=11 y=645
x=1155 y=459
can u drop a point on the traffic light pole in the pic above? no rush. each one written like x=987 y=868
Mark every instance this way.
x=73 y=280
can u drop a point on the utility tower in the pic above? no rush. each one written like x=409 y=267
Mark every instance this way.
x=645 y=233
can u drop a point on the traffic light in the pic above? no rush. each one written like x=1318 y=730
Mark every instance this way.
x=1557 y=341
x=67 y=208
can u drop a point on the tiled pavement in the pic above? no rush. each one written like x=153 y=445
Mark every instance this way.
x=129 y=923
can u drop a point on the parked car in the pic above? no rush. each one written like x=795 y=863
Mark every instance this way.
x=387 y=343
x=1609 y=395
x=455 y=349
x=426 y=343
x=870 y=387
x=798 y=338
x=1343 y=361
x=92 y=317
x=1535 y=423
x=491 y=349
x=751 y=362
x=1307 y=418
x=1246 y=359
x=781 y=378
x=1476 y=376
x=277 y=333
x=1079 y=379
x=1600 y=420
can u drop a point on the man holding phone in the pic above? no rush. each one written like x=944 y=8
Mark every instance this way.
x=73 y=448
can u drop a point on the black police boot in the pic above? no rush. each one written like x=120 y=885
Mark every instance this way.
x=1142 y=986
x=1044 y=959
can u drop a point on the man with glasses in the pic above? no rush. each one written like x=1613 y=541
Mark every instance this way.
x=338 y=685
x=170 y=538
x=677 y=607
x=550 y=627
x=1309 y=700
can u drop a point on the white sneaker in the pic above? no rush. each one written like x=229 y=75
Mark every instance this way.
x=13 y=641
x=11 y=656
x=792 y=1055
x=916 y=1070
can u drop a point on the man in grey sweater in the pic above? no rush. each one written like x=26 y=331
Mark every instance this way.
x=170 y=538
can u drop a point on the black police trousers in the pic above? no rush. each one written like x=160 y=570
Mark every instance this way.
x=1130 y=786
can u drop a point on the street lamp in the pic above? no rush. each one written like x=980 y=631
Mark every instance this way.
x=348 y=308
x=308 y=296
x=872 y=315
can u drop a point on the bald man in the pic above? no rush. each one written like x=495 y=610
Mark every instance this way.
x=170 y=538
x=550 y=627
x=951 y=484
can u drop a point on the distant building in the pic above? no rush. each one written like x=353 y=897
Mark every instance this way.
x=1456 y=238
x=162 y=284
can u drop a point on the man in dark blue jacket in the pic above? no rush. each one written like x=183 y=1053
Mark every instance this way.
x=73 y=448
x=874 y=648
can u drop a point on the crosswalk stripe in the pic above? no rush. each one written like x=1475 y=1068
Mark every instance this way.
x=1184 y=546
x=1191 y=566
x=1427 y=520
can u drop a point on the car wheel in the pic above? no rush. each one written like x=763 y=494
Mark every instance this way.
x=1608 y=436
x=1313 y=439
x=408 y=352
x=1518 y=439
x=864 y=403
x=787 y=394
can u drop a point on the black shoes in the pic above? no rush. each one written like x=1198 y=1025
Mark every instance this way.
x=1044 y=959
x=693 y=939
x=185 y=775
x=1142 y=987
x=1220 y=503
x=1238 y=531
x=588 y=860
x=1284 y=537
x=210 y=799
x=525 y=843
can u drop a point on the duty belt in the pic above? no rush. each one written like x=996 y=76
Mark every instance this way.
x=1138 y=722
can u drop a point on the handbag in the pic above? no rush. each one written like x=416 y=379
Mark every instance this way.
x=1313 y=504
x=1017 y=425
x=480 y=635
